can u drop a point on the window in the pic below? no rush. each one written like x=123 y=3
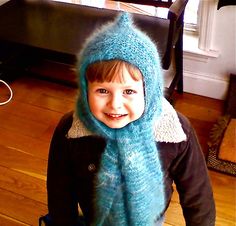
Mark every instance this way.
x=191 y=16
x=198 y=45
x=190 y=12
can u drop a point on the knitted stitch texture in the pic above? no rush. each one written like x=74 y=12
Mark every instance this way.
x=129 y=185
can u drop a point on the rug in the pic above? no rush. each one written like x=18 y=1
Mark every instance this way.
x=222 y=139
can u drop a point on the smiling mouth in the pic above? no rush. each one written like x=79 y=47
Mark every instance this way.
x=115 y=116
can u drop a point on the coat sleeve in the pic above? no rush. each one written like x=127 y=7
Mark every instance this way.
x=192 y=181
x=62 y=202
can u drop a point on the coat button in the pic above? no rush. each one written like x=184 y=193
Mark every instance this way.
x=91 y=167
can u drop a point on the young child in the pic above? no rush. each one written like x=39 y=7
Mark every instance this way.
x=118 y=154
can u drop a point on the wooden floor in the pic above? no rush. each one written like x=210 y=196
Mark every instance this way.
x=26 y=127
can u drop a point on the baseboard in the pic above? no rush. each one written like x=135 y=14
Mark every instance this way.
x=205 y=85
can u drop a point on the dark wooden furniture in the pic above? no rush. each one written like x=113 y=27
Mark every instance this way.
x=59 y=30
x=222 y=3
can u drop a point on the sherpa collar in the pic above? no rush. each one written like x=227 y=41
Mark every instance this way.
x=166 y=129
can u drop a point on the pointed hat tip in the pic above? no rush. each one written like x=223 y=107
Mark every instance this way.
x=124 y=18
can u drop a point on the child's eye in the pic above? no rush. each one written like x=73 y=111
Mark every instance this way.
x=129 y=91
x=103 y=91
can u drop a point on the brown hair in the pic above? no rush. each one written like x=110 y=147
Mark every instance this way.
x=110 y=70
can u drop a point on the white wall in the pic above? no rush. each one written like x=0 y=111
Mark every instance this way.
x=209 y=75
x=225 y=40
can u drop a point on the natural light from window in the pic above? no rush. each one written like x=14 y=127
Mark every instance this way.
x=190 y=17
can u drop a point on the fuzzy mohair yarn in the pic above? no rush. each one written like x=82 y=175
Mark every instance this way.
x=129 y=184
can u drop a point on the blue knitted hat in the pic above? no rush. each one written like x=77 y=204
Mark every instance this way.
x=129 y=186
x=122 y=40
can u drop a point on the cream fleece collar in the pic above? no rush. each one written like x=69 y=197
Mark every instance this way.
x=166 y=129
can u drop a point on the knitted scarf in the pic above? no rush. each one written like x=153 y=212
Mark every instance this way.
x=129 y=184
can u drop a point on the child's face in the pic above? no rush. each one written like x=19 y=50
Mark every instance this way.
x=117 y=103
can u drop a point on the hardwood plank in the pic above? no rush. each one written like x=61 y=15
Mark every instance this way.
x=8 y=221
x=35 y=116
x=27 y=90
x=22 y=125
x=31 y=112
x=224 y=188
x=202 y=129
x=180 y=101
x=21 y=208
x=202 y=112
x=18 y=160
x=196 y=111
x=23 y=184
x=224 y=222
x=56 y=98
x=55 y=104
x=17 y=141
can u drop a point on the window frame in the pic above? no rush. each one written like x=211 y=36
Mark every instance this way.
x=197 y=46
x=206 y=16
x=192 y=27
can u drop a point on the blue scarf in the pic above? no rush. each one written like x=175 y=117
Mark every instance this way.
x=129 y=184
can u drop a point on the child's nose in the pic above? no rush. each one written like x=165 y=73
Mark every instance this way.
x=115 y=101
